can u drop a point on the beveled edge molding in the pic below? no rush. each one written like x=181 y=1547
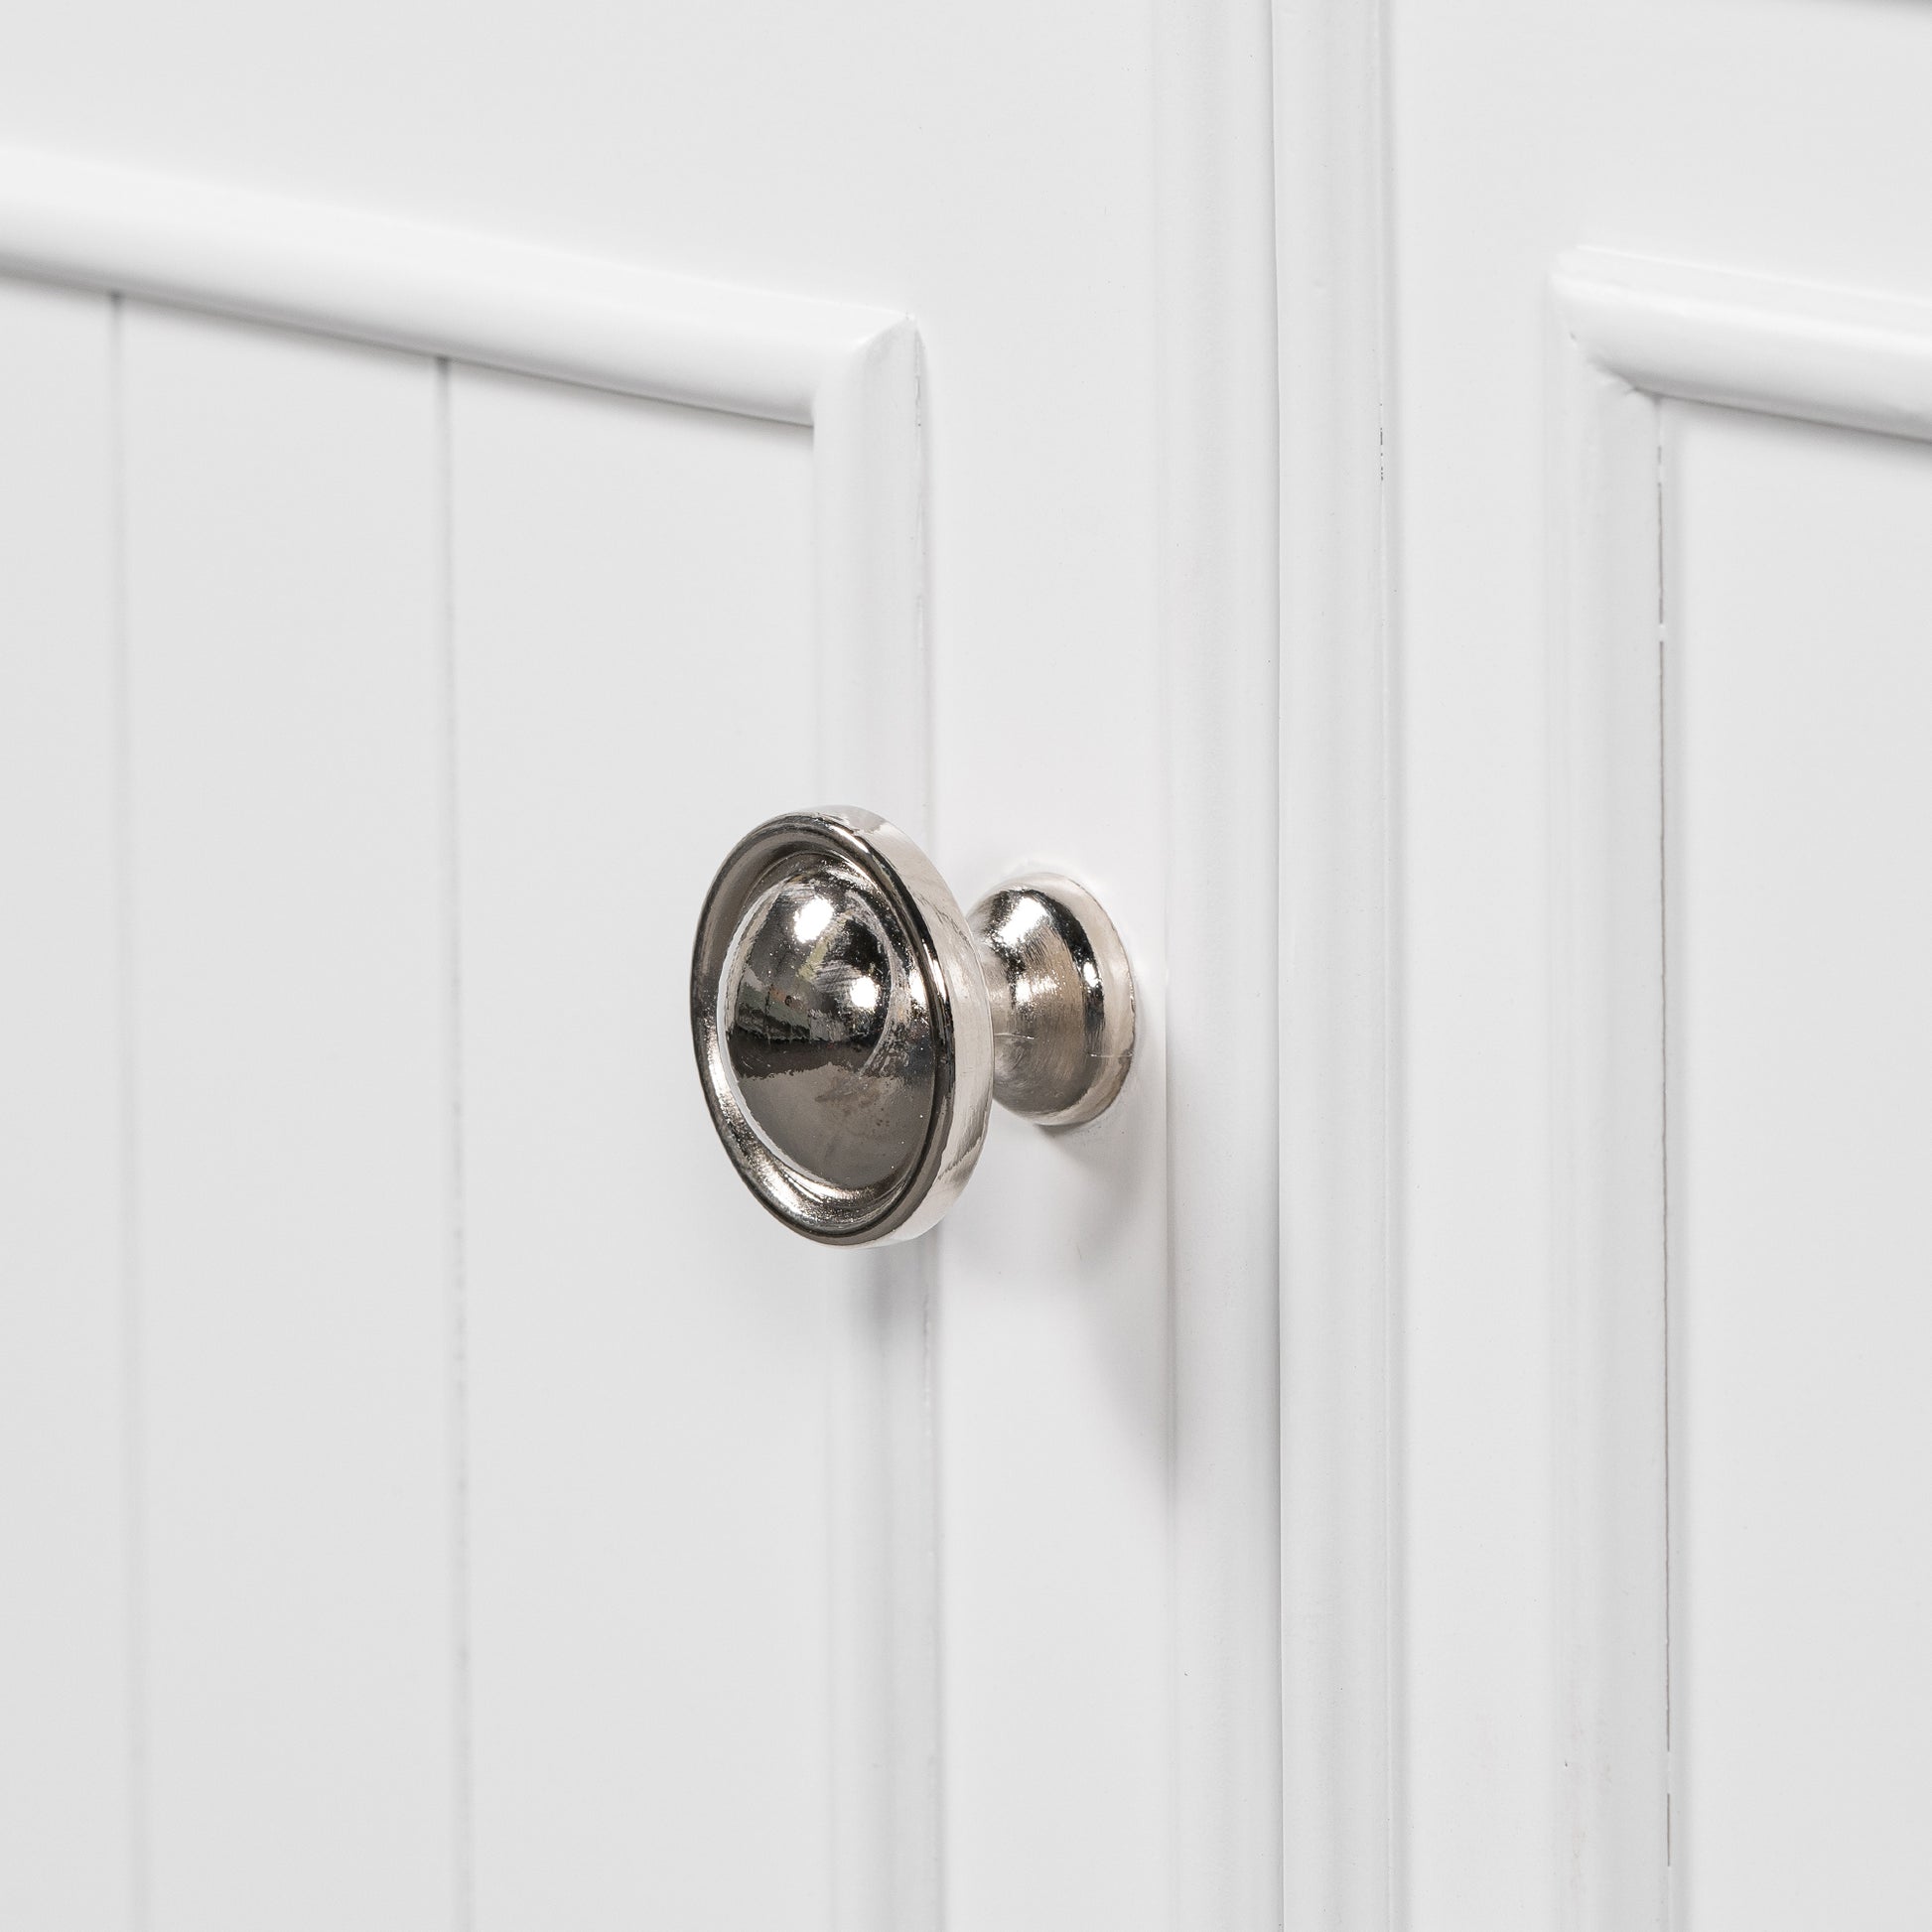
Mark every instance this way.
x=1629 y=335
x=852 y=374
x=381 y=278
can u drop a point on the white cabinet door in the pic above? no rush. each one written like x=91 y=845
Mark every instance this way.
x=1422 y=510
x=1661 y=345
x=457 y=472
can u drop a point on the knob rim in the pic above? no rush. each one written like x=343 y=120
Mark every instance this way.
x=939 y=951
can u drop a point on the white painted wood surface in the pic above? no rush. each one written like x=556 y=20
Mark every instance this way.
x=648 y=1485
x=317 y=1593
x=1799 y=705
x=1038 y=531
x=66 y=1626
x=1337 y=1154
x=1221 y=614
x=1616 y=556
x=1767 y=155
x=1034 y=1340
x=375 y=277
x=292 y=1127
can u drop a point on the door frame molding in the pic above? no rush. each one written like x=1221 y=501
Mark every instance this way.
x=849 y=373
x=1629 y=335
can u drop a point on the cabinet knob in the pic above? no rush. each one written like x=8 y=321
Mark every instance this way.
x=852 y=1025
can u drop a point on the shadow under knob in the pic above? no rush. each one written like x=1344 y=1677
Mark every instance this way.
x=851 y=1024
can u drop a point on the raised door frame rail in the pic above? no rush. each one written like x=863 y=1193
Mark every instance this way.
x=1628 y=336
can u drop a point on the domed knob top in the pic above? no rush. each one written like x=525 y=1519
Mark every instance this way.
x=827 y=1027
x=851 y=1024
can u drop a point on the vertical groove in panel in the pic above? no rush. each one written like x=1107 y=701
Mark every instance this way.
x=292 y=1123
x=460 y=1800
x=65 y=1748
x=128 y=1214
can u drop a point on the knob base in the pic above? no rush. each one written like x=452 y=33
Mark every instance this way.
x=1061 y=992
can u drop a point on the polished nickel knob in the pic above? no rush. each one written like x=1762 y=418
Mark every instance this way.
x=852 y=1025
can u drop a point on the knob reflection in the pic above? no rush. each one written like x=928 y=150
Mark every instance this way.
x=829 y=1044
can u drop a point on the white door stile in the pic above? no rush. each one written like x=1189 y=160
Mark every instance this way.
x=1341 y=1766
x=1607 y=1145
x=67 y=1852
x=1219 y=608
x=1629 y=335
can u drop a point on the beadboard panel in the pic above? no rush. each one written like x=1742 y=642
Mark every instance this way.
x=419 y=1437
x=850 y=373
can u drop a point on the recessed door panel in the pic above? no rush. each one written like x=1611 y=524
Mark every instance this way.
x=418 y=1462
x=1798 y=947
